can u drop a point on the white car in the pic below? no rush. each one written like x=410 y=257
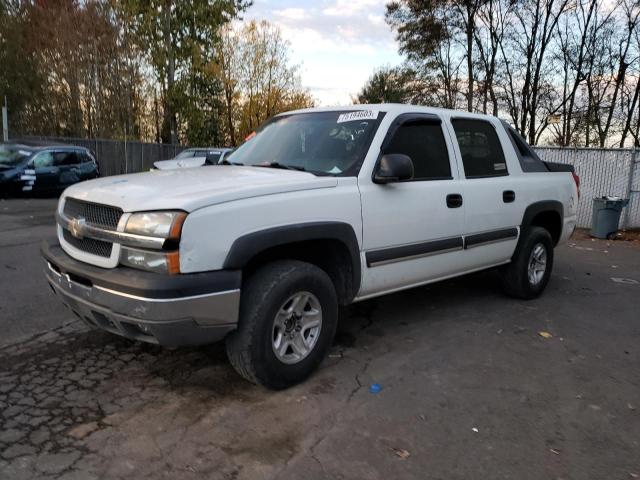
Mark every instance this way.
x=194 y=157
x=323 y=207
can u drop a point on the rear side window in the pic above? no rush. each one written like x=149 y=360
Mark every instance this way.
x=61 y=159
x=482 y=154
x=424 y=143
x=529 y=161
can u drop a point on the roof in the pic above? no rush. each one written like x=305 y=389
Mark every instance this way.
x=396 y=108
x=41 y=145
x=207 y=149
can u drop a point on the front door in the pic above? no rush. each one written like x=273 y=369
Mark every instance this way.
x=412 y=230
x=46 y=173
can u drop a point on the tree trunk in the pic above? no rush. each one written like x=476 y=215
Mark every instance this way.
x=170 y=127
x=470 y=29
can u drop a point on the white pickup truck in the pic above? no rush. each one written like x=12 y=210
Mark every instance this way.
x=321 y=208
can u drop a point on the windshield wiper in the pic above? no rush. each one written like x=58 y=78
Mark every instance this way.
x=279 y=165
x=227 y=162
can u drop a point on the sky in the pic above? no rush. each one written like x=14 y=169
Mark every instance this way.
x=337 y=43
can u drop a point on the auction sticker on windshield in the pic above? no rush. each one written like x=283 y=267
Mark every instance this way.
x=359 y=115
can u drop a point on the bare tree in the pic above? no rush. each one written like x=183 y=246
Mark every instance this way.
x=257 y=78
x=489 y=34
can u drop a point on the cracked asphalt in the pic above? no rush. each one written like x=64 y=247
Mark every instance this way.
x=470 y=389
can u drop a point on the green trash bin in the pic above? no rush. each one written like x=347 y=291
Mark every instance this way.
x=606 y=216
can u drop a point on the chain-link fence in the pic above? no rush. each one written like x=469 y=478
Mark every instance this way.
x=602 y=172
x=116 y=157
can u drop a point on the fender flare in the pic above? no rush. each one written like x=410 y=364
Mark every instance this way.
x=246 y=247
x=534 y=209
x=543 y=206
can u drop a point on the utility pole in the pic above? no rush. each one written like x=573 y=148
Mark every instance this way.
x=5 y=121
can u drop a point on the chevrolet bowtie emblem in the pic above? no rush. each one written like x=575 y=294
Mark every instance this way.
x=76 y=227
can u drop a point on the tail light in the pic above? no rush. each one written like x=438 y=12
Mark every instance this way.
x=576 y=179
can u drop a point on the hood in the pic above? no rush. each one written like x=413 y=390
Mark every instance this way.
x=8 y=172
x=192 y=188
x=180 y=163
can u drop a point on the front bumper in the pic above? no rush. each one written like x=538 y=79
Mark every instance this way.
x=171 y=310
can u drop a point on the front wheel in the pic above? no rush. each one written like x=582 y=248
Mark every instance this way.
x=288 y=317
x=528 y=273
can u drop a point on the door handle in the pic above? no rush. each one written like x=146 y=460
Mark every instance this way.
x=454 y=200
x=508 y=196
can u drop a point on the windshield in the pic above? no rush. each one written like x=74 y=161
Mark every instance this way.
x=186 y=154
x=325 y=143
x=13 y=155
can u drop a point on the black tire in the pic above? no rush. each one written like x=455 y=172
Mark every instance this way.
x=515 y=275
x=250 y=349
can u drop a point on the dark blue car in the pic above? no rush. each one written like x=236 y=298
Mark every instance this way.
x=43 y=170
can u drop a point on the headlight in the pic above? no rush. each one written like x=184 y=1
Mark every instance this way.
x=165 y=225
x=154 y=261
x=156 y=224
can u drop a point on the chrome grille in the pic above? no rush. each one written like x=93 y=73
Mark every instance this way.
x=89 y=245
x=103 y=216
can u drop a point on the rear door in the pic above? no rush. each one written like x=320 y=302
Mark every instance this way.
x=492 y=213
x=68 y=163
x=86 y=165
x=412 y=230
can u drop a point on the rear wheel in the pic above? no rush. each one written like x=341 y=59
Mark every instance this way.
x=288 y=317
x=528 y=273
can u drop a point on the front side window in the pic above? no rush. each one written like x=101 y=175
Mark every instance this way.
x=424 y=143
x=213 y=157
x=323 y=143
x=43 y=160
x=482 y=154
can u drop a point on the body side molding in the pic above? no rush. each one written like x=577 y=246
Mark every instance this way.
x=479 y=239
x=416 y=250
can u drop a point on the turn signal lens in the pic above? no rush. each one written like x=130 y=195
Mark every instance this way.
x=176 y=226
x=153 y=261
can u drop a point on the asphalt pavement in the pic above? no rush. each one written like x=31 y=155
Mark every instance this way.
x=474 y=385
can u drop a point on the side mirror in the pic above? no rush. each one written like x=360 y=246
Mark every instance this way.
x=393 y=167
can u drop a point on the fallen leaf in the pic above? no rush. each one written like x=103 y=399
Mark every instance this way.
x=401 y=453
x=544 y=334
